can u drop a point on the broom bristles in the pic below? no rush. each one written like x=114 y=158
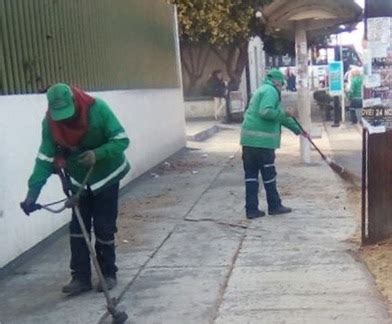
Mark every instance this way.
x=333 y=165
x=336 y=167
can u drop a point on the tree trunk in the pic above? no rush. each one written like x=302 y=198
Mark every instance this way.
x=235 y=62
x=189 y=88
x=194 y=59
x=240 y=64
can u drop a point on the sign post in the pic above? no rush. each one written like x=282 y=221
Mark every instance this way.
x=237 y=102
x=336 y=83
x=377 y=139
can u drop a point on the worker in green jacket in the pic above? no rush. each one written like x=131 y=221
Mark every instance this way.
x=260 y=137
x=355 y=96
x=80 y=132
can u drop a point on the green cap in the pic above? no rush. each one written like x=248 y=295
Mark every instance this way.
x=61 y=103
x=276 y=75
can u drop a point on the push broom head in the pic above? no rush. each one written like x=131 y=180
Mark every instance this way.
x=119 y=317
x=337 y=168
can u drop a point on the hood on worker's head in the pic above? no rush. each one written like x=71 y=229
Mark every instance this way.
x=276 y=75
x=61 y=102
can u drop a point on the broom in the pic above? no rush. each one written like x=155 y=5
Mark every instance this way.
x=333 y=165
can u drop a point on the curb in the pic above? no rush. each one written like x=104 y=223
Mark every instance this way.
x=204 y=134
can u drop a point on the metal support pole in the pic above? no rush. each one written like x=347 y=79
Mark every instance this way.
x=301 y=48
x=343 y=104
x=364 y=188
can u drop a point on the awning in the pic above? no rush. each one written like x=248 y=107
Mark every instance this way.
x=319 y=17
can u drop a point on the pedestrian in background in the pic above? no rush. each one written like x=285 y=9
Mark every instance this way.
x=291 y=80
x=260 y=137
x=218 y=90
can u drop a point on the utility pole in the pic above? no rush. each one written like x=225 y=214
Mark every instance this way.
x=343 y=105
x=301 y=47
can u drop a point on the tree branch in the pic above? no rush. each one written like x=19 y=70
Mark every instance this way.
x=184 y=61
x=204 y=51
x=198 y=59
x=192 y=59
x=208 y=52
x=230 y=61
x=218 y=54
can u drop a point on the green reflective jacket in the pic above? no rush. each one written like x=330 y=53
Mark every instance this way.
x=356 y=88
x=105 y=136
x=264 y=118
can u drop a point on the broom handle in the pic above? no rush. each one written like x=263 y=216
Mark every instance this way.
x=101 y=278
x=309 y=139
x=93 y=254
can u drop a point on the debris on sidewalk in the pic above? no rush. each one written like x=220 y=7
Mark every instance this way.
x=184 y=164
x=378 y=259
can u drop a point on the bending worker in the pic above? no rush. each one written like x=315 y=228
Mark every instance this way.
x=260 y=137
x=84 y=133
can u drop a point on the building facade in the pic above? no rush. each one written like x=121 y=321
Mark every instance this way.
x=123 y=51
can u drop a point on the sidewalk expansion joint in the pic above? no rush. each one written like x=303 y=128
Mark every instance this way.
x=222 y=290
x=188 y=267
x=144 y=266
x=210 y=220
x=209 y=186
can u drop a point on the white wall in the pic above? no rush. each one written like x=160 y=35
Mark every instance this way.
x=199 y=109
x=153 y=119
x=256 y=63
x=243 y=87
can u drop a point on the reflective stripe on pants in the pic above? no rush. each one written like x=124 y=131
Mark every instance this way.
x=100 y=212
x=259 y=160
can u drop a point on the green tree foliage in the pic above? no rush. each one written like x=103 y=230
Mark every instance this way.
x=219 y=22
x=225 y=26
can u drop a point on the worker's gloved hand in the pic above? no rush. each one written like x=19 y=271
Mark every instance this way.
x=290 y=112
x=87 y=158
x=28 y=205
x=72 y=201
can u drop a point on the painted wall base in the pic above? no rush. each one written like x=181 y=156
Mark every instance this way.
x=153 y=119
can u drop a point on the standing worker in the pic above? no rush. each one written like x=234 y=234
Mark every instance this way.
x=81 y=132
x=355 y=96
x=260 y=137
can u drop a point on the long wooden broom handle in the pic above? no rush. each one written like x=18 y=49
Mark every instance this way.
x=309 y=139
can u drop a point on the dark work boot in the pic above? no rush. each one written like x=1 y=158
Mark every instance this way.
x=111 y=282
x=76 y=287
x=280 y=210
x=254 y=214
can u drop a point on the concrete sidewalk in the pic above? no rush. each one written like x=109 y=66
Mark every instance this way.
x=187 y=255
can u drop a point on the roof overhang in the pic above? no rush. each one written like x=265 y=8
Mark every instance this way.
x=282 y=16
